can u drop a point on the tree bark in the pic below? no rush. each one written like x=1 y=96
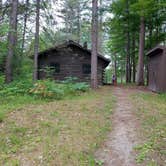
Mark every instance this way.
x=128 y=65
x=12 y=38
x=78 y=22
x=140 y=73
x=25 y=24
x=1 y=17
x=100 y=34
x=133 y=57
x=115 y=66
x=36 y=44
x=94 y=36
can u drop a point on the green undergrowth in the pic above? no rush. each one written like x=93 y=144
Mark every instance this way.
x=152 y=113
x=48 y=89
x=23 y=92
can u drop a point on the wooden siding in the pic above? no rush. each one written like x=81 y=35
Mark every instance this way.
x=71 y=60
x=157 y=71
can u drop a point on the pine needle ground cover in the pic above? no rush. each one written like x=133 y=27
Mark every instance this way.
x=60 y=132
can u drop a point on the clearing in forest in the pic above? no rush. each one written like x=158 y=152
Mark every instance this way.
x=118 y=126
x=64 y=132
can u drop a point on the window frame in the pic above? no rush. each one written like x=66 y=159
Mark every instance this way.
x=86 y=68
x=56 y=67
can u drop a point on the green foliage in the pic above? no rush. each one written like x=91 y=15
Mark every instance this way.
x=74 y=87
x=43 y=88
x=49 y=71
x=47 y=89
x=82 y=87
x=15 y=88
x=108 y=76
x=125 y=21
x=51 y=89
x=70 y=80
x=143 y=151
x=3 y=42
x=144 y=7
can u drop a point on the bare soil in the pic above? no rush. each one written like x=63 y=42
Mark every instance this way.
x=118 y=150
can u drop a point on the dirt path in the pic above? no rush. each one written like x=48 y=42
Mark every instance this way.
x=118 y=149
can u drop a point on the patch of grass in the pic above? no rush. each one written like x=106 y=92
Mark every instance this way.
x=2 y=116
x=65 y=132
x=152 y=114
x=11 y=103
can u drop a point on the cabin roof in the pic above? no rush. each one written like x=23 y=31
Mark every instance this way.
x=156 y=50
x=72 y=43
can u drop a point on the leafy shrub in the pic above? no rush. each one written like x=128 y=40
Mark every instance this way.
x=69 y=80
x=72 y=86
x=43 y=88
x=81 y=86
x=47 y=89
x=16 y=87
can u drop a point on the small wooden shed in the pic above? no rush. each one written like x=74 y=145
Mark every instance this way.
x=157 y=69
x=70 y=59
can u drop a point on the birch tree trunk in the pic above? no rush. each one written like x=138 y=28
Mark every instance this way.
x=140 y=72
x=94 y=36
x=12 y=38
x=36 y=44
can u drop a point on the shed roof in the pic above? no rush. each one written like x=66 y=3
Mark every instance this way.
x=73 y=43
x=156 y=50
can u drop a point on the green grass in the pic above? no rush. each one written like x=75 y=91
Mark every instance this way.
x=2 y=116
x=10 y=103
x=64 y=132
x=152 y=113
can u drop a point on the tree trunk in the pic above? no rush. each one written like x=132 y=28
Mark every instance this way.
x=115 y=66
x=150 y=36
x=78 y=22
x=1 y=17
x=12 y=38
x=133 y=57
x=25 y=24
x=140 y=73
x=36 y=44
x=94 y=35
x=100 y=33
x=128 y=65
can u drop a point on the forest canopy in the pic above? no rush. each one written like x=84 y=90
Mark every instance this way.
x=125 y=31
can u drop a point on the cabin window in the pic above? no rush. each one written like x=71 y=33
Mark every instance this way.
x=86 y=68
x=55 y=67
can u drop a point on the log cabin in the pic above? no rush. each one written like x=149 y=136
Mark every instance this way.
x=70 y=59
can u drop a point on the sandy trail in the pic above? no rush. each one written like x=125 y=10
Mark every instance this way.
x=118 y=148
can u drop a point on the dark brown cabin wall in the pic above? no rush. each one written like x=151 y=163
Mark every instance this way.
x=154 y=75
x=157 y=70
x=163 y=73
x=71 y=60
